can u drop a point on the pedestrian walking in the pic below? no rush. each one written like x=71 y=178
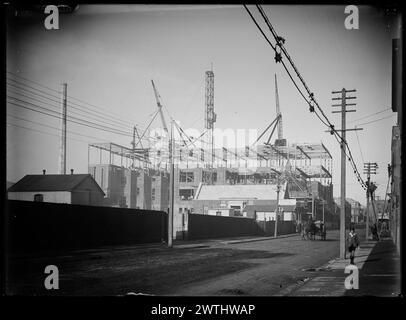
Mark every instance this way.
x=353 y=243
x=304 y=230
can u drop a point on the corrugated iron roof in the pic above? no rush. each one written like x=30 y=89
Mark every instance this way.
x=50 y=182
x=269 y=207
x=243 y=191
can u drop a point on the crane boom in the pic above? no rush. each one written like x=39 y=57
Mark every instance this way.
x=278 y=111
x=158 y=102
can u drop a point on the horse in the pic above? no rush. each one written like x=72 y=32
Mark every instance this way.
x=311 y=230
x=303 y=231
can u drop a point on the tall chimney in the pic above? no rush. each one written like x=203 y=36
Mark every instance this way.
x=62 y=163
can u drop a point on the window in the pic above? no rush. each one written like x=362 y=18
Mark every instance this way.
x=180 y=210
x=39 y=197
x=186 y=194
x=138 y=191
x=153 y=194
x=237 y=210
x=186 y=176
x=101 y=178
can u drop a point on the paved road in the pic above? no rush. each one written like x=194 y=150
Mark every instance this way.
x=215 y=268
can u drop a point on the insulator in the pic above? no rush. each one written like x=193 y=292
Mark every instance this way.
x=278 y=57
x=280 y=40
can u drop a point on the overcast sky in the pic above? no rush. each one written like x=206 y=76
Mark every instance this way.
x=109 y=54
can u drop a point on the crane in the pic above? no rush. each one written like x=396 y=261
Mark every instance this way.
x=278 y=111
x=280 y=141
x=159 y=104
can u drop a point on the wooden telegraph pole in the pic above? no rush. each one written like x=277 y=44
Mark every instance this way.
x=369 y=168
x=278 y=189
x=62 y=164
x=343 y=130
x=171 y=189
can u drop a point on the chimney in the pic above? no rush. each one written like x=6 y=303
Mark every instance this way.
x=43 y=171
x=71 y=171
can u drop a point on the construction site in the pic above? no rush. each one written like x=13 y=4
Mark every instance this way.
x=184 y=150
x=249 y=181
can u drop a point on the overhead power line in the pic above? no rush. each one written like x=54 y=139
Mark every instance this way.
x=370 y=115
x=380 y=119
x=78 y=103
x=311 y=101
x=78 y=111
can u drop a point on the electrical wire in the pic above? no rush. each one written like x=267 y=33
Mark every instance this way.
x=373 y=121
x=359 y=145
x=370 y=115
x=280 y=42
x=109 y=114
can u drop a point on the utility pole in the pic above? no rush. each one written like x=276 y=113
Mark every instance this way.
x=278 y=189
x=313 y=206
x=171 y=189
x=323 y=202
x=343 y=130
x=369 y=168
x=62 y=165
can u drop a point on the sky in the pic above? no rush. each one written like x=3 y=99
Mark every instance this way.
x=108 y=55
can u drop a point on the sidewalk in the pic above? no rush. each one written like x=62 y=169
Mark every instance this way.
x=379 y=274
x=222 y=241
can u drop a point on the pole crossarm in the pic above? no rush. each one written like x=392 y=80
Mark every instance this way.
x=354 y=129
x=352 y=90
x=347 y=104
x=344 y=111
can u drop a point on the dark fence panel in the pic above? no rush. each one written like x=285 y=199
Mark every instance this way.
x=202 y=226
x=284 y=227
x=36 y=226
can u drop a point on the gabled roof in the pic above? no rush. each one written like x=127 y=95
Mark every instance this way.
x=51 y=182
x=239 y=191
x=9 y=184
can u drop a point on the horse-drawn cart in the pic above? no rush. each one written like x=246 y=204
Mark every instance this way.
x=313 y=229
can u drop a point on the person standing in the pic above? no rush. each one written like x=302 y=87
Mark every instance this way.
x=353 y=243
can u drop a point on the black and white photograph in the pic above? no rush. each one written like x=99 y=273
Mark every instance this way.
x=210 y=150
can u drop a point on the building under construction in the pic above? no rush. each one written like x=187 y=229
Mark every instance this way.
x=220 y=181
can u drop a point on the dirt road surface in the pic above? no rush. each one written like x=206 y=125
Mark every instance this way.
x=259 y=268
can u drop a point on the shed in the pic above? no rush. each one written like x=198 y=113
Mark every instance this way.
x=58 y=188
